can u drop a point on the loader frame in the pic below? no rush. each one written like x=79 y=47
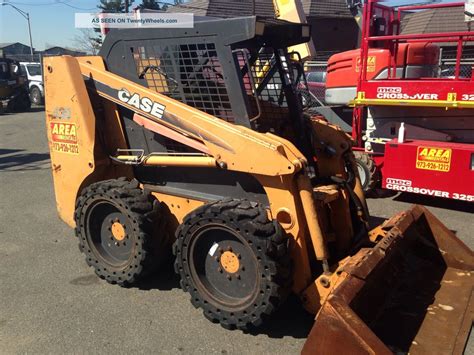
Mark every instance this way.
x=301 y=201
x=273 y=162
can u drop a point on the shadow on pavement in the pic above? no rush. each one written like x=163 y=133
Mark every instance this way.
x=375 y=221
x=10 y=151
x=19 y=161
x=163 y=279
x=380 y=193
x=455 y=205
x=32 y=109
x=289 y=320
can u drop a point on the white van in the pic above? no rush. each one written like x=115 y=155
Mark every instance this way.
x=35 y=81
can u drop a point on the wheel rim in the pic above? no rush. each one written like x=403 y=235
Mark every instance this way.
x=223 y=266
x=35 y=96
x=107 y=232
x=362 y=174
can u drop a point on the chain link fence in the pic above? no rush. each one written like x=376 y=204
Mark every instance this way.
x=447 y=62
x=315 y=72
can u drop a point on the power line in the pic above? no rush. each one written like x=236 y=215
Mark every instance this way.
x=31 y=4
x=75 y=7
x=56 y=2
x=59 y=2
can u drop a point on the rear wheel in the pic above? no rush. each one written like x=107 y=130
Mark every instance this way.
x=368 y=173
x=233 y=261
x=35 y=95
x=115 y=221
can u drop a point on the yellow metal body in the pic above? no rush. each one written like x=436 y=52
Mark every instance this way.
x=275 y=162
x=292 y=10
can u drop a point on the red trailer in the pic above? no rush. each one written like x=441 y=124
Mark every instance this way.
x=395 y=78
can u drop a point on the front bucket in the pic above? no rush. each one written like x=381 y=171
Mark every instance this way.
x=411 y=293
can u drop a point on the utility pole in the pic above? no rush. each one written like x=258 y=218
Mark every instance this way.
x=127 y=4
x=26 y=15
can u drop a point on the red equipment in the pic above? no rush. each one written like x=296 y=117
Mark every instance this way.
x=395 y=78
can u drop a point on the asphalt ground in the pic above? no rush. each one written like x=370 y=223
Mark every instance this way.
x=51 y=302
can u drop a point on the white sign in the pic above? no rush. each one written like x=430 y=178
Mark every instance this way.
x=134 y=20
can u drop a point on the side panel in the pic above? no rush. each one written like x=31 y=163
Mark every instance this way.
x=70 y=123
x=430 y=168
x=80 y=135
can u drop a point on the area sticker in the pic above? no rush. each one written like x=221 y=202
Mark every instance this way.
x=436 y=159
x=64 y=137
x=371 y=64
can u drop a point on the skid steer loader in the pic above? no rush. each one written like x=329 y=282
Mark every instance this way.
x=194 y=142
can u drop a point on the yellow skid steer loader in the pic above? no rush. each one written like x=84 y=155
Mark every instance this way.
x=194 y=142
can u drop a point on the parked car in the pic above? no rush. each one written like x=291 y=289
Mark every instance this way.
x=316 y=85
x=13 y=87
x=448 y=72
x=33 y=72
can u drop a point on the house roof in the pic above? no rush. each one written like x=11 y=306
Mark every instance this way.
x=450 y=19
x=7 y=44
x=265 y=8
x=226 y=8
x=198 y=7
x=326 y=8
x=60 y=47
x=65 y=49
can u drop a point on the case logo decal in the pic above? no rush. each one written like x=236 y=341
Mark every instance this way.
x=142 y=103
x=436 y=159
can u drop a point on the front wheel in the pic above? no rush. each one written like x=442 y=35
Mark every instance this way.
x=233 y=261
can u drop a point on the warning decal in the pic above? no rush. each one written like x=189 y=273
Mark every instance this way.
x=64 y=137
x=436 y=159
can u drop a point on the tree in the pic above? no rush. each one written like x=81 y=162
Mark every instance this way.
x=87 y=41
x=114 y=6
x=151 y=5
x=111 y=6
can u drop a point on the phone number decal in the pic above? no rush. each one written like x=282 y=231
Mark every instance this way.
x=64 y=138
x=436 y=159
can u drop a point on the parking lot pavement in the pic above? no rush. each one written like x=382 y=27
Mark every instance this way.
x=51 y=302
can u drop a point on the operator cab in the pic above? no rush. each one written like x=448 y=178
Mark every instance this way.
x=235 y=69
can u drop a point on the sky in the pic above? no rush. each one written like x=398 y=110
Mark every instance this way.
x=52 y=21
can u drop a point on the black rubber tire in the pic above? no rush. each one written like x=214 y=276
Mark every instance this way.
x=367 y=164
x=266 y=242
x=140 y=212
x=35 y=96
